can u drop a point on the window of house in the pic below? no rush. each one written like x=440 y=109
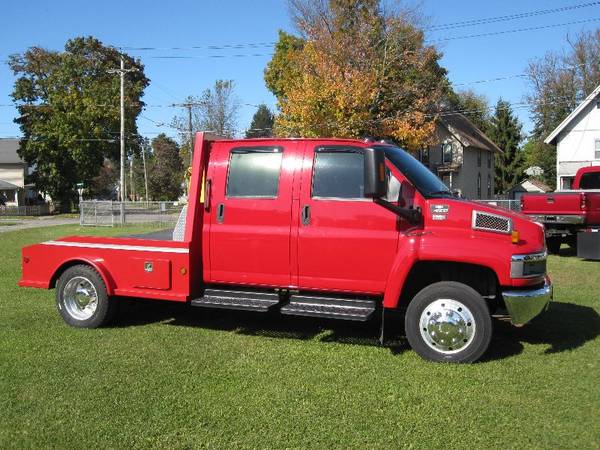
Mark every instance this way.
x=478 y=185
x=478 y=158
x=566 y=183
x=489 y=159
x=447 y=180
x=424 y=156
x=489 y=186
x=254 y=172
x=447 y=153
x=338 y=173
x=597 y=149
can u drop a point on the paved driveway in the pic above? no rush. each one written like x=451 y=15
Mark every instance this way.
x=47 y=221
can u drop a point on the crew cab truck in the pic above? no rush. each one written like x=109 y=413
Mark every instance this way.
x=567 y=213
x=330 y=228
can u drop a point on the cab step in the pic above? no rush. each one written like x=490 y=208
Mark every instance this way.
x=330 y=307
x=249 y=300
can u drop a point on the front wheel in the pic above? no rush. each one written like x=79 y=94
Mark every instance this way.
x=81 y=298
x=449 y=322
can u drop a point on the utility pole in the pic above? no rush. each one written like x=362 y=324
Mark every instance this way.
x=122 y=71
x=189 y=106
x=145 y=172
x=131 y=186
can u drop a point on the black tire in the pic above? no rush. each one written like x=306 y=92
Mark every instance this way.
x=82 y=278
x=553 y=244
x=472 y=328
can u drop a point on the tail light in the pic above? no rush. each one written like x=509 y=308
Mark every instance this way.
x=582 y=198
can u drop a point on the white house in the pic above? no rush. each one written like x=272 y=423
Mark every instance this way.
x=12 y=173
x=577 y=140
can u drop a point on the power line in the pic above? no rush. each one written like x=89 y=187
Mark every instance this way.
x=518 y=30
x=488 y=20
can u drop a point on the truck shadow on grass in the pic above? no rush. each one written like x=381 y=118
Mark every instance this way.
x=565 y=326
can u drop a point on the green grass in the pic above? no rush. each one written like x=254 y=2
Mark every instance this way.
x=170 y=376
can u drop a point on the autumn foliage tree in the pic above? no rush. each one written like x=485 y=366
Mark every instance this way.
x=356 y=70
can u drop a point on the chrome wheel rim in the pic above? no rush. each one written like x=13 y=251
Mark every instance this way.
x=447 y=326
x=80 y=298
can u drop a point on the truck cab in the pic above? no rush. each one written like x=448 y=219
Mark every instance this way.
x=333 y=228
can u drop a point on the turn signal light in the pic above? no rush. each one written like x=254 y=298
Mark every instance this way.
x=514 y=237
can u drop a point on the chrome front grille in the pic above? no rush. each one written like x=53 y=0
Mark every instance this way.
x=496 y=223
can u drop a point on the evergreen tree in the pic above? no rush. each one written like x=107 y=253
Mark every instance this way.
x=262 y=123
x=505 y=131
x=166 y=174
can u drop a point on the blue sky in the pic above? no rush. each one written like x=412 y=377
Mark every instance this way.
x=187 y=23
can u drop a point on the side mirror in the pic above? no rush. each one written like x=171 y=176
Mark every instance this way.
x=375 y=179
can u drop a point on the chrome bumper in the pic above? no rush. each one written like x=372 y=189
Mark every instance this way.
x=566 y=219
x=524 y=305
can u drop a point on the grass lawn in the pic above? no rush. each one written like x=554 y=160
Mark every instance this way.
x=172 y=376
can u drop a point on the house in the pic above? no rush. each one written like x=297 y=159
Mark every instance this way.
x=577 y=140
x=12 y=173
x=527 y=185
x=463 y=157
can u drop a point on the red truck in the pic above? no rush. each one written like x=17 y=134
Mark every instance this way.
x=566 y=213
x=331 y=228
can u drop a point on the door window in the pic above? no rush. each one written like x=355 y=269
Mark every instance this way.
x=254 y=172
x=338 y=174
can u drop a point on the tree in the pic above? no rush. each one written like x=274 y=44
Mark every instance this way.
x=472 y=105
x=357 y=69
x=69 y=115
x=262 y=123
x=505 y=131
x=215 y=110
x=558 y=82
x=166 y=173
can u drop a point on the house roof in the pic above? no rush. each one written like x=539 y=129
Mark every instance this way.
x=6 y=186
x=543 y=187
x=539 y=184
x=458 y=124
x=8 y=151
x=565 y=123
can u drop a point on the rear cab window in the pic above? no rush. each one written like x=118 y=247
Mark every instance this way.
x=590 y=180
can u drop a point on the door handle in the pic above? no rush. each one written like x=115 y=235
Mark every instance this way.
x=207 y=193
x=220 y=212
x=306 y=215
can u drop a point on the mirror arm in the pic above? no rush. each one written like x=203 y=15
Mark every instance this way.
x=412 y=215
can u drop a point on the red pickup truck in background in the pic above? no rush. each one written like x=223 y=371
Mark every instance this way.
x=330 y=228
x=566 y=213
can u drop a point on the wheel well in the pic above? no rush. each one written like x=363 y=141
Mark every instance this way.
x=423 y=273
x=65 y=266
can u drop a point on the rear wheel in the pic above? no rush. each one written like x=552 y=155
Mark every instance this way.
x=553 y=244
x=449 y=322
x=81 y=298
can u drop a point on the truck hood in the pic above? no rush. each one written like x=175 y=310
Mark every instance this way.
x=486 y=222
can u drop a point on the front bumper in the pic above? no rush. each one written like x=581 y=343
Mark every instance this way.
x=524 y=305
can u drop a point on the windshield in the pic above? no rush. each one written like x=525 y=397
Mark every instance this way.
x=426 y=182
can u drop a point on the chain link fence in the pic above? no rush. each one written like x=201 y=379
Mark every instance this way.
x=513 y=205
x=110 y=214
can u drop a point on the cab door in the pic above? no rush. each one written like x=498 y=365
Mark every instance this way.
x=250 y=218
x=345 y=241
